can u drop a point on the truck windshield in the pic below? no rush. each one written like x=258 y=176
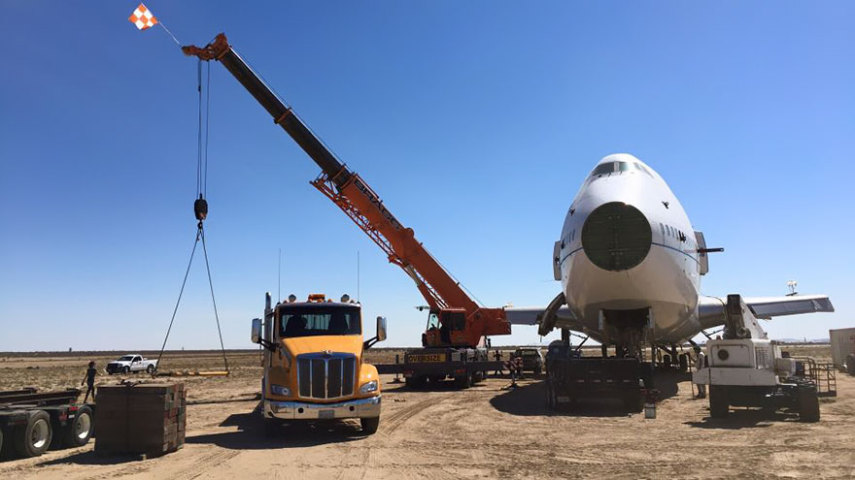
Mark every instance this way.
x=126 y=358
x=309 y=321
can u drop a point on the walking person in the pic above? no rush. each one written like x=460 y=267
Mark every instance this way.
x=90 y=381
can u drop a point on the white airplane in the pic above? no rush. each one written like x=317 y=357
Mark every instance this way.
x=630 y=266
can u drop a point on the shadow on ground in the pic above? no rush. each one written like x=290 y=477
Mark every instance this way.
x=250 y=434
x=740 y=418
x=529 y=399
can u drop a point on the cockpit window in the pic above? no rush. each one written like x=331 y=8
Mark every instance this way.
x=603 y=169
x=622 y=166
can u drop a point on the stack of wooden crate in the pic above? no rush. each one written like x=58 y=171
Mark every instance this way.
x=147 y=418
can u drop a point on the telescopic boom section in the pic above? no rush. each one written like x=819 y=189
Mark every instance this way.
x=347 y=190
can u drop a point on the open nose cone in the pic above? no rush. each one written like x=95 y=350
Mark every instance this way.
x=616 y=236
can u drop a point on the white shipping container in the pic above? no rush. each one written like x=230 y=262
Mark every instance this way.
x=842 y=344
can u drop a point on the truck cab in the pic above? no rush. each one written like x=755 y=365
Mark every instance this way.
x=313 y=362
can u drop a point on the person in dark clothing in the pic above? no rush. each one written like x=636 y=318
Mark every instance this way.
x=90 y=381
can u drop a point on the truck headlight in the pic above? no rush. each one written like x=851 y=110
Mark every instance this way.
x=368 y=387
x=280 y=390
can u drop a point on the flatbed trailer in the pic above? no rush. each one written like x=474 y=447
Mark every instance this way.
x=465 y=366
x=33 y=421
x=571 y=378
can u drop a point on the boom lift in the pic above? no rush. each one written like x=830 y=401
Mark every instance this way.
x=457 y=325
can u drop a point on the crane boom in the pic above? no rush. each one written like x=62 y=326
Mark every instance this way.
x=363 y=206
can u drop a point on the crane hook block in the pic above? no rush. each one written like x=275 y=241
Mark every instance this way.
x=200 y=208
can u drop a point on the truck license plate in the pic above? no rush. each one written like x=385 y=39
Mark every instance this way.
x=326 y=414
x=428 y=358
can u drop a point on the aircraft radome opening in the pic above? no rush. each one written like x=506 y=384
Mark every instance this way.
x=616 y=236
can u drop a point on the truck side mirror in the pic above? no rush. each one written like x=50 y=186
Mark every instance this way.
x=381 y=329
x=255 y=336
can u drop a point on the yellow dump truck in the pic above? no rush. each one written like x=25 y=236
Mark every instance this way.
x=313 y=362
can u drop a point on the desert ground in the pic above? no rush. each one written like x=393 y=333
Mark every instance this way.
x=488 y=431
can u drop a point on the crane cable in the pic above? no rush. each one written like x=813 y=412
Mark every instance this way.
x=200 y=210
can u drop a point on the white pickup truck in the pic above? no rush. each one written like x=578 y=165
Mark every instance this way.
x=131 y=363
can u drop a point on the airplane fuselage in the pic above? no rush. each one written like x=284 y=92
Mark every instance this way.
x=628 y=256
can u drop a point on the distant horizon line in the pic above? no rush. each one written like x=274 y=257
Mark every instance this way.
x=787 y=341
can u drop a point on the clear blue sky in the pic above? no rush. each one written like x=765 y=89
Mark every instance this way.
x=474 y=121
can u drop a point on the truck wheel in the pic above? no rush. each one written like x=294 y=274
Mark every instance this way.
x=149 y=369
x=808 y=405
x=550 y=396
x=416 y=382
x=369 y=425
x=463 y=381
x=33 y=439
x=80 y=429
x=719 y=406
x=126 y=370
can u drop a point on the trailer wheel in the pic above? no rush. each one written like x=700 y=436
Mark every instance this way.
x=808 y=405
x=719 y=405
x=79 y=431
x=369 y=425
x=463 y=381
x=33 y=439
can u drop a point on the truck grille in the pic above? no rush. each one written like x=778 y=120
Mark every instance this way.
x=328 y=376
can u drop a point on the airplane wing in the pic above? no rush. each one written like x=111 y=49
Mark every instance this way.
x=711 y=309
x=564 y=318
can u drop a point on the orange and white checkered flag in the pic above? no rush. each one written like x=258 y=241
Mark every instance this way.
x=142 y=18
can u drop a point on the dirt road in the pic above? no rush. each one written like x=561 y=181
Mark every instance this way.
x=484 y=432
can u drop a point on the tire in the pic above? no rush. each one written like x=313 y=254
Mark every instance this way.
x=666 y=360
x=126 y=370
x=719 y=405
x=464 y=381
x=33 y=439
x=149 y=369
x=79 y=431
x=808 y=405
x=369 y=425
x=417 y=382
x=684 y=363
x=550 y=397
x=537 y=371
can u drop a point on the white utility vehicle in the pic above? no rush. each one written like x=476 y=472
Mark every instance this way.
x=745 y=368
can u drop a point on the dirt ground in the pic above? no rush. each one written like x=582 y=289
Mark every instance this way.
x=488 y=431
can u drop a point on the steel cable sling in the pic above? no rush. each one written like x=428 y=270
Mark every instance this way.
x=200 y=209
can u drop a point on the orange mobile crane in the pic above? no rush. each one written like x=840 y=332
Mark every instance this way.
x=457 y=325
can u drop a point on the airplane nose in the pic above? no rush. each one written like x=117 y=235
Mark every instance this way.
x=616 y=236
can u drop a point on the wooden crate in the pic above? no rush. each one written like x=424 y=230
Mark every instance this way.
x=145 y=419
